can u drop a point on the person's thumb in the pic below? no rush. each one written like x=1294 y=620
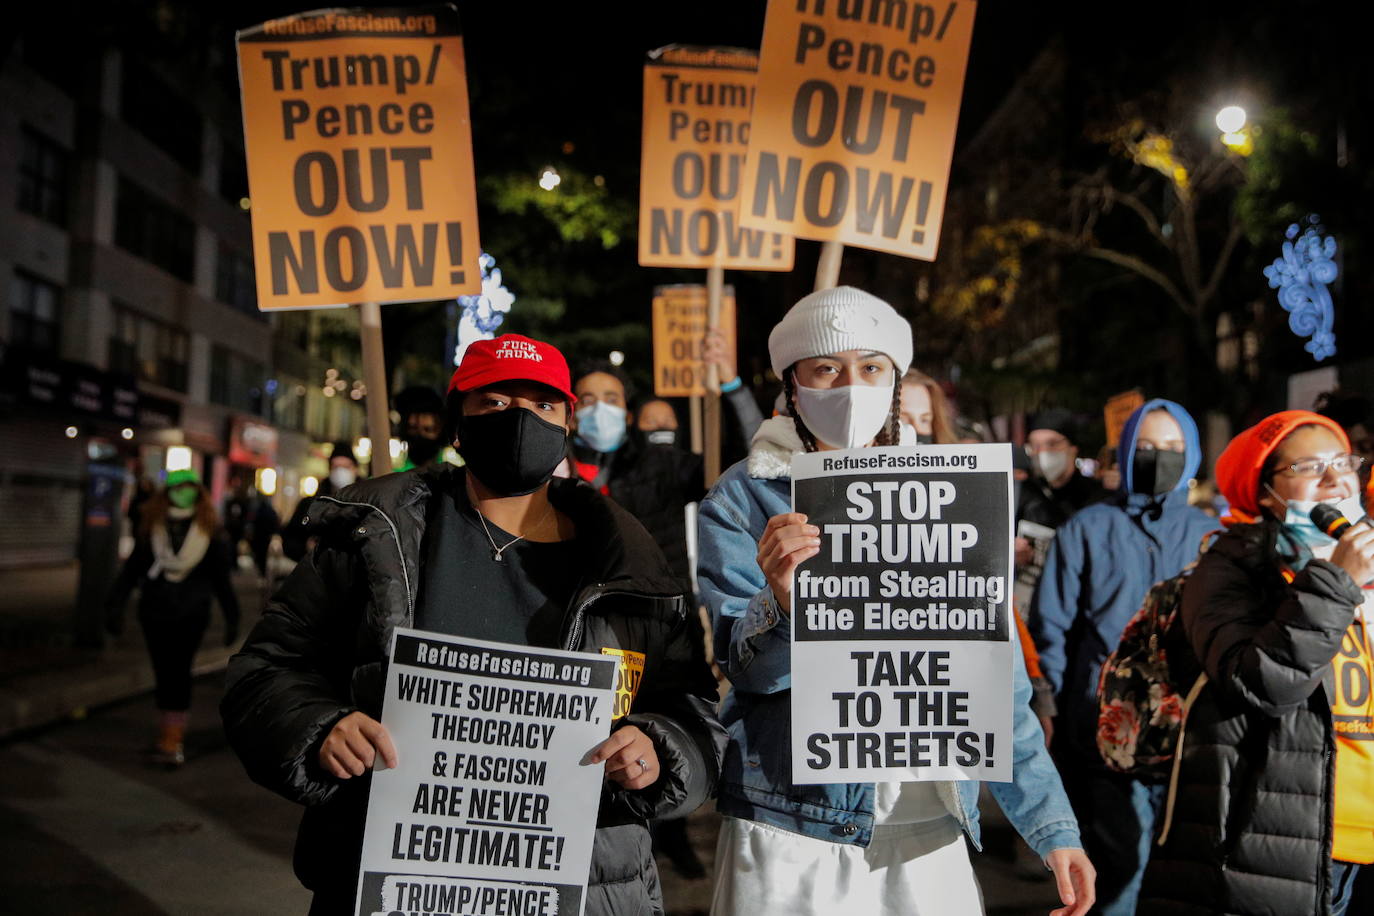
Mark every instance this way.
x=1063 y=881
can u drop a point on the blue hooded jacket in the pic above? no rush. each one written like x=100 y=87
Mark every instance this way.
x=1099 y=567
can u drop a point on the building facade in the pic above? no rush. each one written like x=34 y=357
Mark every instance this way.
x=128 y=316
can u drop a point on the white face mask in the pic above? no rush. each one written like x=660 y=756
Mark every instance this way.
x=845 y=417
x=342 y=477
x=1052 y=464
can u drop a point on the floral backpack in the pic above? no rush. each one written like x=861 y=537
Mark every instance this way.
x=1140 y=711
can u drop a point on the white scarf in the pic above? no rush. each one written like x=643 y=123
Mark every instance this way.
x=177 y=565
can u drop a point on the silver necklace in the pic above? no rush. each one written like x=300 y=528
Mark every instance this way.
x=497 y=551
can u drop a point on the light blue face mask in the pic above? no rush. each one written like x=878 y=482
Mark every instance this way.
x=601 y=426
x=1297 y=520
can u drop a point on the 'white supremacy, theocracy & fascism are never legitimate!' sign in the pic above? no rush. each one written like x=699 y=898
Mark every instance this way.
x=491 y=811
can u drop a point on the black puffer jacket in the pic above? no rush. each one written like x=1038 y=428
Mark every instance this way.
x=654 y=483
x=320 y=652
x=655 y=487
x=1252 y=817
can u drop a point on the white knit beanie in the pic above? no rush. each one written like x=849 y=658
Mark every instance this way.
x=842 y=318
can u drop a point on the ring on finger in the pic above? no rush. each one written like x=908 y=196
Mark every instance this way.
x=643 y=765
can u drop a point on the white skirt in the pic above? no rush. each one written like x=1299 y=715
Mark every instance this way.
x=920 y=869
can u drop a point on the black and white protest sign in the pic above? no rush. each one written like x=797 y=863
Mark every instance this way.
x=901 y=625
x=490 y=812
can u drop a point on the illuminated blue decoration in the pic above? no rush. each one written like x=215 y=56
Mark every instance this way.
x=484 y=312
x=1301 y=276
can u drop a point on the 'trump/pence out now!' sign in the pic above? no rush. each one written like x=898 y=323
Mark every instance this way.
x=902 y=623
x=854 y=123
x=359 y=157
x=697 y=105
x=679 y=326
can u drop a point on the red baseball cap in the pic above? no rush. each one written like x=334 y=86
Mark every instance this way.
x=512 y=357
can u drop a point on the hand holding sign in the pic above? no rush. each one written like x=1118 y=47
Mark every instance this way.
x=1024 y=552
x=353 y=744
x=717 y=351
x=631 y=761
x=787 y=541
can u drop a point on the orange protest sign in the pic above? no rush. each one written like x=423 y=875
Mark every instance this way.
x=1118 y=410
x=679 y=326
x=854 y=121
x=359 y=157
x=696 y=128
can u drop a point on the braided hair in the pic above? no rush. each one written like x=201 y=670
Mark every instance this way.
x=890 y=434
x=789 y=389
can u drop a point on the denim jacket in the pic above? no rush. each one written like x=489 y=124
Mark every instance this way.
x=753 y=647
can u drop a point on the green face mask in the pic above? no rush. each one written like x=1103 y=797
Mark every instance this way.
x=183 y=497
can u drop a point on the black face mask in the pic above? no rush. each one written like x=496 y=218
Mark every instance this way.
x=666 y=437
x=513 y=451
x=1156 y=472
x=422 y=449
x=925 y=439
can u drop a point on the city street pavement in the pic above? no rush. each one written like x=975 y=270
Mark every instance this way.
x=85 y=827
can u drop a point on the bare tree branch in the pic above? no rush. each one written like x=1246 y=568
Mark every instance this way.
x=1137 y=206
x=1219 y=268
x=1213 y=170
x=1139 y=267
x=1189 y=257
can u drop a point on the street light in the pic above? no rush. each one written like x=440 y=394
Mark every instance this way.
x=549 y=178
x=617 y=358
x=1235 y=135
x=1231 y=119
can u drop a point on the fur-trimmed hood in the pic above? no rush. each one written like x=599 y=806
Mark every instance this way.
x=770 y=454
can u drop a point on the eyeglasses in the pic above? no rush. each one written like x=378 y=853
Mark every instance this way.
x=1316 y=467
x=1060 y=446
